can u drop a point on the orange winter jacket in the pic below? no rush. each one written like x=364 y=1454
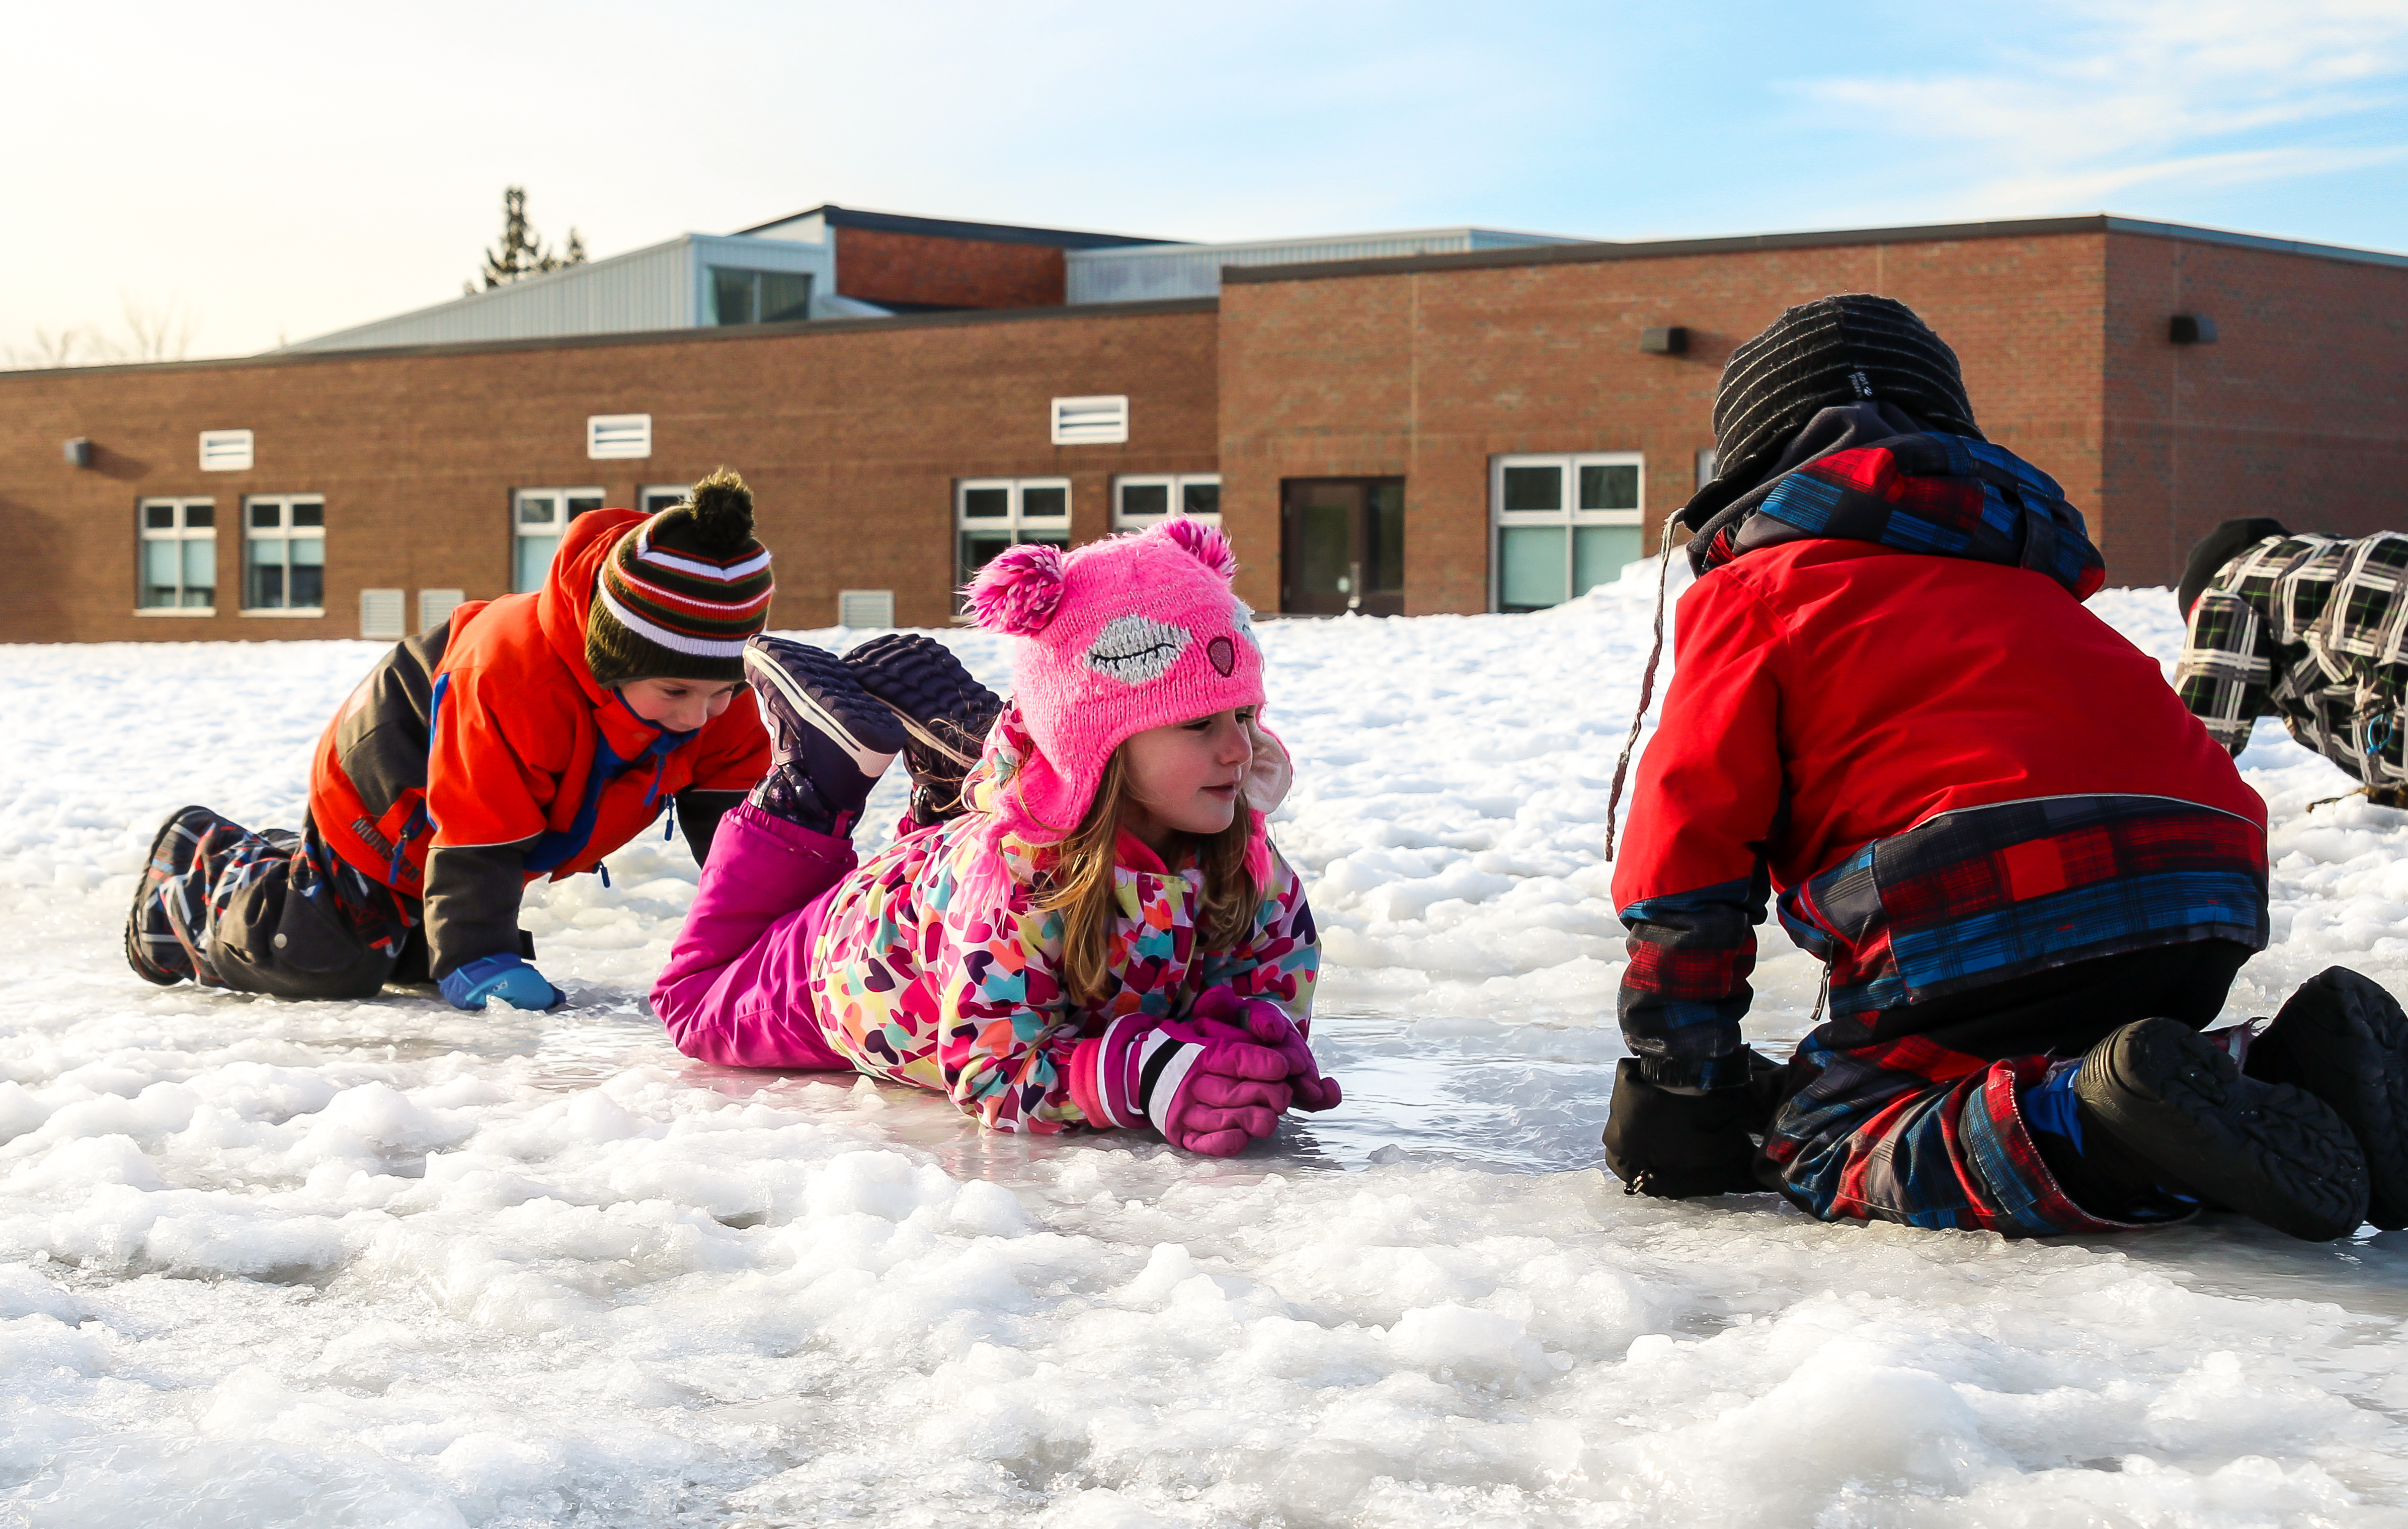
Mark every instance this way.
x=483 y=754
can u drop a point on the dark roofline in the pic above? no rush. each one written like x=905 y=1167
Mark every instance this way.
x=801 y=329
x=950 y=228
x=1574 y=254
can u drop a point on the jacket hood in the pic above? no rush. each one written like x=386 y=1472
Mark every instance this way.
x=567 y=594
x=2211 y=553
x=1873 y=472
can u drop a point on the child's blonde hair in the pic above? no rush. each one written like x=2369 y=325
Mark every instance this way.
x=1080 y=885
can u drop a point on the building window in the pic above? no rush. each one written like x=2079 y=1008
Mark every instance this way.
x=1563 y=524
x=1146 y=499
x=284 y=555
x=180 y=556
x=654 y=497
x=538 y=519
x=992 y=513
x=1705 y=466
x=759 y=297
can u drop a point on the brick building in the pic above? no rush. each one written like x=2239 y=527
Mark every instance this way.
x=1492 y=428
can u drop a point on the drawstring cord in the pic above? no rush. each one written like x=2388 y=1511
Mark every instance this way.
x=1646 y=691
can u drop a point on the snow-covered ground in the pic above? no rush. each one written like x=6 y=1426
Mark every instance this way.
x=381 y=1263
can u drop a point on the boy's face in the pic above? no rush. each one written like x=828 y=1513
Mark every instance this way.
x=680 y=704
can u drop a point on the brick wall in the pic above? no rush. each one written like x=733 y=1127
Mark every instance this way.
x=1430 y=373
x=878 y=266
x=852 y=436
x=2299 y=410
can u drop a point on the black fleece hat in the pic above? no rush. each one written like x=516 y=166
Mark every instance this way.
x=2211 y=553
x=1846 y=348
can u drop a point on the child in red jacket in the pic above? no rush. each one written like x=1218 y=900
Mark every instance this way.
x=2030 y=873
x=524 y=737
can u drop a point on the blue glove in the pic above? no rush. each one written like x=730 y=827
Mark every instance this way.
x=504 y=977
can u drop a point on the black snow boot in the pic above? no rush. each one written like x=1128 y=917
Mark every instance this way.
x=829 y=738
x=949 y=712
x=2161 y=1103
x=2345 y=1039
x=154 y=947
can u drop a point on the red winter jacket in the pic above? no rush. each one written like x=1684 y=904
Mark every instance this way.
x=483 y=754
x=1950 y=771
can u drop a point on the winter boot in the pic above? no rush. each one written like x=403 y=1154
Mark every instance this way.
x=947 y=711
x=151 y=948
x=167 y=929
x=2345 y=1040
x=829 y=738
x=2163 y=1106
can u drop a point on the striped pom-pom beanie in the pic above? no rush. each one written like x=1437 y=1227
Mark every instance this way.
x=682 y=592
x=1847 y=349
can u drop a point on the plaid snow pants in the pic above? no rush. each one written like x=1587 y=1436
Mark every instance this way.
x=274 y=912
x=1913 y=1115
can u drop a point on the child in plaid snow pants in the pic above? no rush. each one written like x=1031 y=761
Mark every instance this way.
x=1980 y=807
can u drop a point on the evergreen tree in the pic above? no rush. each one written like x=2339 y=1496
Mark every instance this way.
x=522 y=253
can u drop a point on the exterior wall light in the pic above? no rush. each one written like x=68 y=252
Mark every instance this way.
x=1672 y=340
x=2191 y=329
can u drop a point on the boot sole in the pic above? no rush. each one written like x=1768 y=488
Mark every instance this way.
x=2345 y=1039
x=2272 y=1152
x=760 y=667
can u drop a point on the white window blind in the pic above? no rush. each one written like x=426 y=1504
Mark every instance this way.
x=612 y=437
x=435 y=606
x=1101 y=420
x=380 y=614
x=862 y=609
x=225 y=451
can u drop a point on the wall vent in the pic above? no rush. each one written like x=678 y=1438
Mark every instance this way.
x=225 y=451
x=380 y=614
x=1101 y=420
x=613 y=436
x=864 y=609
x=435 y=606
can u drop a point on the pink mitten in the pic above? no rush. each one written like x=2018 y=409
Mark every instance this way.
x=1206 y=1087
x=1269 y=1026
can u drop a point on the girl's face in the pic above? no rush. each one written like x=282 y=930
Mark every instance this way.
x=680 y=704
x=1186 y=779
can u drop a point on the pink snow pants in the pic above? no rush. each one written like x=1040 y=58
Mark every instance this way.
x=736 y=990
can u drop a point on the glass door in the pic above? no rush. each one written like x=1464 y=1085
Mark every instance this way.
x=1342 y=546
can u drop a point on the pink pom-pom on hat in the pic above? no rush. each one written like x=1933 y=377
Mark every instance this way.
x=1123 y=635
x=1017 y=590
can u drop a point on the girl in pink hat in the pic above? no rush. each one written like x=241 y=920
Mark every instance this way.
x=1089 y=928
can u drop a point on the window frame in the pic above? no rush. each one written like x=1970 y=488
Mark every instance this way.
x=1177 y=484
x=1571 y=517
x=144 y=535
x=710 y=280
x=562 y=516
x=282 y=531
x=649 y=492
x=1013 y=520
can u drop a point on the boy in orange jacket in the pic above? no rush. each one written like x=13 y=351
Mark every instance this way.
x=525 y=736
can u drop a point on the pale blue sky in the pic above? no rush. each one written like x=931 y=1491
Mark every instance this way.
x=288 y=170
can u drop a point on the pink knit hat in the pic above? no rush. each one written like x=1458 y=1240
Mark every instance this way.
x=1124 y=634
